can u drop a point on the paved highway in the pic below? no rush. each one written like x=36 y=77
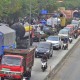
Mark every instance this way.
x=37 y=73
x=71 y=69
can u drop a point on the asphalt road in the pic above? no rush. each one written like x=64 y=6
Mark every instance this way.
x=71 y=69
x=37 y=73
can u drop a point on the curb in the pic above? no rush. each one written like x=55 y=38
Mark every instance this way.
x=55 y=69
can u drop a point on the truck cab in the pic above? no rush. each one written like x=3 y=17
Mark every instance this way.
x=14 y=63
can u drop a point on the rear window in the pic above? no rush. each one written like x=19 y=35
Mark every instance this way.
x=44 y=45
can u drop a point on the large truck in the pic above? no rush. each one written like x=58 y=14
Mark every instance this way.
x=22 y=37
x=7 y=38
x=15 y=61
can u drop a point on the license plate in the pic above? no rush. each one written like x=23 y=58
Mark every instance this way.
x=5 y=69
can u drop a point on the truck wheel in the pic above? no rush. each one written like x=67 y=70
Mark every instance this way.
x=2 y=78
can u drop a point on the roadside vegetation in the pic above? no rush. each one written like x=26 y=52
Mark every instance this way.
x=12 y=10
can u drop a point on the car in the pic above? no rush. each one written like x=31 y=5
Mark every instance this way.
x=42 y=48
x=48 y=30
x=56 y=41
x=64 y=33
x=43 y=35
x=70 y=27
x=36 y=37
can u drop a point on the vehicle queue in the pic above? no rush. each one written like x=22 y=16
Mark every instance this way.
x=57 y=40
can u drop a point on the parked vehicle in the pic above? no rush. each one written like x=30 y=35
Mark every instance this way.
x=55 y=40
x=42 y=48
x=14 y=63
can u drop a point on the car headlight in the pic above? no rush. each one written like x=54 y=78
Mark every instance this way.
x=47 y=51
x=36 y=50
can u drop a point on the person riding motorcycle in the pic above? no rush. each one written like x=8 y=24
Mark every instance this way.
x=65 y=41
x=44 y=58
x=27 y=74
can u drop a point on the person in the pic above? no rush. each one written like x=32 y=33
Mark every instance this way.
x=65 y=40
x=27 y=74
x=44 y=57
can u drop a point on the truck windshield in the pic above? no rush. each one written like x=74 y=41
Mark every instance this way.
x=8 y=60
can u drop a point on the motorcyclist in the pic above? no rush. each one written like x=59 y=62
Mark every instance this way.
x=44 y=58
x=27 y=74
x=65 y=40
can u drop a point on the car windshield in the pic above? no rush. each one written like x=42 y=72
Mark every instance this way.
x=8 y=60
x=53 y=38
x=74 y=22
x=67 y=28
x=44 y=45
x=64 y=32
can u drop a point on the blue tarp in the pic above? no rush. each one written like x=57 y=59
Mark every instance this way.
x=44 y=11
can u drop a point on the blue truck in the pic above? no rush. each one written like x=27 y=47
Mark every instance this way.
x=7 y=38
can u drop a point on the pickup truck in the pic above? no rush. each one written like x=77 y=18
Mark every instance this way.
x=15 y=61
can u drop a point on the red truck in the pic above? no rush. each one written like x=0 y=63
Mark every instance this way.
x=14 y=63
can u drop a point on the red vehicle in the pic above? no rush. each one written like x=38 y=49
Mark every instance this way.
x=14 y=63
x=70 y=27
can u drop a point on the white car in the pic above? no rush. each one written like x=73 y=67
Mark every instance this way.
x=56 y=41
x=63 y=33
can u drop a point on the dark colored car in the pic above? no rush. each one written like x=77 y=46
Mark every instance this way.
x=43 y=35
x=48 y=30
x=42 y=48
x=36 y=36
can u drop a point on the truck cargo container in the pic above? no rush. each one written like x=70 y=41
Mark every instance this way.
x=15 y=61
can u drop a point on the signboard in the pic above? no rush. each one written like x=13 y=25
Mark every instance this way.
x=44 y=11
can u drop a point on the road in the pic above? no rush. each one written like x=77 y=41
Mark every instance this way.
x=37 y=73
x=71 y=69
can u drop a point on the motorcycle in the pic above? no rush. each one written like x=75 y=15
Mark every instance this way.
x=44 y=65
x=25 y=78
x=70 y=40
x=75 y=36
x=65 y=46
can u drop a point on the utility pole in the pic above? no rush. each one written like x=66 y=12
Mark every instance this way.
x=29 y=24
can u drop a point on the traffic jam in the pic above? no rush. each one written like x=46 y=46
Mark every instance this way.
x=22 y=44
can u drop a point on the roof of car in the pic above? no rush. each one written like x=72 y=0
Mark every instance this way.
x=45 y=42
x=64 y=29
x=70 y=25
x=54 y=36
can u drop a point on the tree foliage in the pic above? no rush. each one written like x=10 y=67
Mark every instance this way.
x=13 y=9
